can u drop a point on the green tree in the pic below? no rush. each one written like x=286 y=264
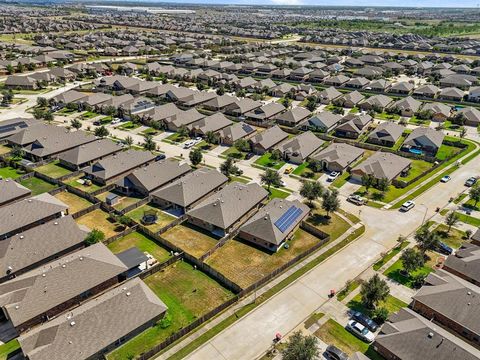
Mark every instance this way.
x=101 y=132
x=42 y=102
x=276 y=155
x=301 y=347
x=17 y=153
x=368 y=181
x=128 y=141
x=182 y=132
x=38 y=113
x=330 y=201
x=383 y=184
x=271 y=177
x=195 y=156
x=311 y=191
x=48 y=116
x=475 y=194
x=426 y=240
x=211 y=137
x=149 y=144
x=374 y=291
x=228 y=168
x=94 y=237
x=110 y=111
x=242 y=145
x=451 y=219
x=76 y=124
x=10 y=69
x=412 y=260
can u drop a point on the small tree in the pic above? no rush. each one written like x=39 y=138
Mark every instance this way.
x=110 y=111
x=211 y=137
x=94 y=237
x=330 y=202
x=38 y=113
x=301 y=347
x=311 y=191
x=48 y=116
x=42 y=102
x=475 y=194
x=271 y=177
x=412 y=260
x=276 y=155
x=451 y=219
x=149 y=144
x=17 y=153
x=383 y=184
x=368 y=181
x=228 y=168
x=76 y=124
x=195 y=156
x=128 y=141
x=242 y=145
x=101 y=132
x=463 y=133
x=426 y=240
x=182 y=132
x=374 y=291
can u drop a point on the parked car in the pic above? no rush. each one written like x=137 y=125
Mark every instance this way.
x=97 y=123
x=444 y=249
x=360 y=331
x=365 y=321
x=249 y=156
x=288 y=170
x=445 y=179
x=335 y=353
x=357 y=200
x=407 y=205
x=116 y=121
x=189 y=144
x=160 y=157
x=332 y=176
x=471 y=181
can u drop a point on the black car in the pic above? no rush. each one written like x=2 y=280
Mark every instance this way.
x=365 y=321
x=249 y=156
x=160 y=157
x=335 y=353
x=443 y=248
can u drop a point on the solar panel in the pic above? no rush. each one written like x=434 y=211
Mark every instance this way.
x=288 y=218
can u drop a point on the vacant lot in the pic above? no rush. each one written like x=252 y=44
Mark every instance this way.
x=98 y=219
x=190 y=239
x=244 y=264
x=141 y=242
x=53 y=169
x=75 y=203
x=38 y=186
x=163 y=219
x=188 y=294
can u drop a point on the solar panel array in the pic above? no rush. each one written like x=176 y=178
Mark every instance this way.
x=288 y=218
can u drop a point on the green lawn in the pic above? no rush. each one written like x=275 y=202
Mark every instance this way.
x=277 y=193
x=38 y=186
x=390 y=255
x=392 y=304
x=446 y=151
x=53 y=169
x=351 y=286
x=335 y=334
x=313 y=319
x=341 y=180
x=265 y=161
x=454 y=238
x=89 y=115
x=175 y=137
x=9 y=172
x=129 y=125
x=87 y=188
x=8 y=348
x=188 y=294
x=304 y=171
x=415 y=121
x=141 y=242
x=469 y=219
x=417 y=168
x=386 y=116
x=151 y=131
x=335 y=226
x=394 y=272
x=163 y=218
x=233 y=152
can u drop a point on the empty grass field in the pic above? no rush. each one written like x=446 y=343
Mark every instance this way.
x=163 y=219
x=75 y=203
x=38 y=186
x=142 y=243
x=190 y=239
x=53 y=169
x=245 y=264
x=188 y=294
x=98 y=219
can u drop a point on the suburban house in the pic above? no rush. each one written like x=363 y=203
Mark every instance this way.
x=225 y=210
x=45 y=292
x=182 y=118
x=149 y=178
x=292 y=117
x=350 y=99
x=452 y=302
x=241 y=107
x=324 y=121
x=30 y=212
x=376 y=102
x=471 y=116
x=353 y=125
x=13 y=126
x=11 y=191
x=113 y=167
x=96 y=327
x=402 y=87
x=328 y=95
x=21 y=82
x=184 y=193
x=427 y=91
x=235 y=132
x=212 y=123
x=451 y=93
x=274 y=224
x=381 y=165
x=219 y=103
x=338 y=156
x=265 y=114
x=83 y=155
x=264 y=141
x=424 y=139
x=36 y=246
x=407 y=335
x=386 y=134
x=465 y=263
x=299 y=148
x=437 y=111
x=407 y=106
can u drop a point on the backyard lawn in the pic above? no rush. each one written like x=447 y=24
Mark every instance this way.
x=265 y=161
x=335 y=226
x=418 y=168
x=190 y=239
x=53 y=169
x=245 y=264
x=454 y=238
x=141 y=242
x=87 y=188
x=188 y=294
x=124 y=201
x=10 y=172
x=392 y=304
x=75 y=203
x=38 y=186
x=335 y=334
x=163 y=219
x=98 y=219
x=446 y=151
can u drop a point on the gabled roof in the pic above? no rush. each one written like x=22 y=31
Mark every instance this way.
x=407 y=103
x=90 y=152
x=37 y=291
x=237 y=131
x=304 y=145
x=294 y=116
x=39 y=243
x=191 y=187
x=221 y=101
x=340 y=153
x=270 y=137
x=325 y=119
x=437 y=108
x=11 y=190
x=383 y=165
x=471 y=114
x=213 y=123
x=94 y=325
x=230 y=204
x=425 y=136
x=388 y=131
x=466 y=261
x=262 y=224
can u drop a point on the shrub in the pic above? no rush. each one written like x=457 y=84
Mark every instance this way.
x=380 y=315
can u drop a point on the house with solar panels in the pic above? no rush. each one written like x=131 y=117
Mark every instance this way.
x=274 y=224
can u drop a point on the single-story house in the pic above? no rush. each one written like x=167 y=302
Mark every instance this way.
x=84 y=155
x=338 y=156
x=382 y=165
x=11 y=191
x=267 y=139
x=292 y=117
x=386 y=134
x=465 y=263
x=237 y=131
x=324 y=121
x=424 y=139
x=299 y=148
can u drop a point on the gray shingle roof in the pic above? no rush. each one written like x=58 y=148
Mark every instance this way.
x=269 y=137
x=11 y=190
x=466 y=261
x=340 y=153
x=382 y=165
x=90 y=152
x=304 y=144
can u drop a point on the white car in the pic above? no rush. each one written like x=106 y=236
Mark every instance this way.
x=407 y=205
x=332 y=176
x=360 y=331
x=445 y=179
x=189 y=144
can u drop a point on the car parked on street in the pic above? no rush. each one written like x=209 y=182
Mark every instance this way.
x=357 y=200
x=470 y=181
x=360 y=331
x=365 y=320
x=445 y=179
x=407 y=206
